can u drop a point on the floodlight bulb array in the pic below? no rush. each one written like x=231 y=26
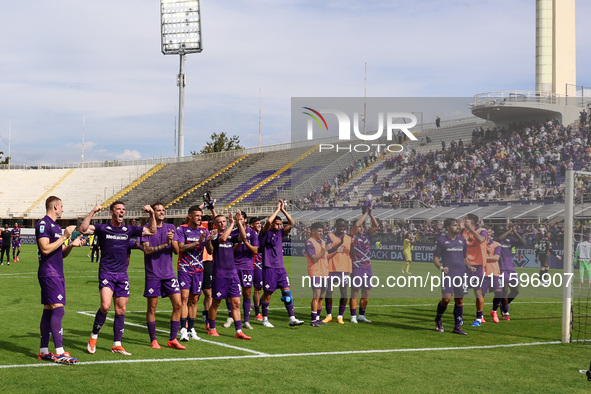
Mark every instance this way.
x=181 y=26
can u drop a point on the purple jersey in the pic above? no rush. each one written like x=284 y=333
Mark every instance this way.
x=272 y=249
x=114 y=243
x=159 y=264
x=242 y=255
x=506 y=259
x=451 y=252
x=223 y=257
x=361 y=243
x=15 y=233
x=192 y=260
x=53 y=263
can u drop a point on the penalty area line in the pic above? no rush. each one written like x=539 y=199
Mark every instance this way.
x=287 y=355
x=200 y=340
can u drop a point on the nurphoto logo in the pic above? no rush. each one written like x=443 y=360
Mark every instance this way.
x=394 y=121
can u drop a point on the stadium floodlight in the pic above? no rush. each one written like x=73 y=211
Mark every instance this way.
x=180 y=23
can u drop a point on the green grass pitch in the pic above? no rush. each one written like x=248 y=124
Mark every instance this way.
x=399 y=352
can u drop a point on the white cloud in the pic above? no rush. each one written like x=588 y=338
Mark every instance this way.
x=66 y=60
x=129 y=155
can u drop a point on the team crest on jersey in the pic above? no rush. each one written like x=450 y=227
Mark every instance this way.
x=124 y=228
x=60 y=297
x=520 y=259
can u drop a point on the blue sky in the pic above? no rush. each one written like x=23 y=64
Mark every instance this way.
x=63 y=60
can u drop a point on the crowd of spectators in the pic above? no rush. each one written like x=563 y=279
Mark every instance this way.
x=524 y=161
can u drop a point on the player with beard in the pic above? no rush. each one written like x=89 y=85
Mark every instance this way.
x=476 y=241
x=160 y=277
x=114 y=239
x=244 y=254
x=450 y=257
x=508 y=238
x=189 y=242
x=274 y=273
x=362 y=272
x=339 y=267
x=225 y=282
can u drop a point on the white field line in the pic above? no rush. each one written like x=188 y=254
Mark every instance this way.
x=370 y=306
x=202 y=340
x=286 y=355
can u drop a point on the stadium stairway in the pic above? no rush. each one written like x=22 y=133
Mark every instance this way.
x=47 y=193
x=133 y=185
x=268 y=179
x=205 y=182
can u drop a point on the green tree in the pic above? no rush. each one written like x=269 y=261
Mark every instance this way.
x=3 y=159
x=220 y=143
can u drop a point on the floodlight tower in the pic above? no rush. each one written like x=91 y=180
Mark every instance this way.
x=180 y=22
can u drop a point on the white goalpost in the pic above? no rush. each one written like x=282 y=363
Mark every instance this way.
x=576 y=294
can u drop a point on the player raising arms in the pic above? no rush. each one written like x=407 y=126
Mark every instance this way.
x=362 y=273
x=257 y=265
x=225 y=283
x=189 y=242
x=450 y=258
x=274 y=273
x=244 y=255
x=476 y=240
x=317 y=268
x=339 y=267
x=508 y=238
x=114 y=238
x=52 y=251
x=160 y=277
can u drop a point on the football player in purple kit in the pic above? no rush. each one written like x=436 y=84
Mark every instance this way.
x=225 y=283
x=189 y=242
x=508 y=238
x=52 y=251
x=450 y=258
x=274 y=273
x=114 y=238
x=15 y=233
x=362 y=273
x=160 y=277
x=244 y=255
x=257 y=265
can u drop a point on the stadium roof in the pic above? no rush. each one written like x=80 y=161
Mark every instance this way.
x=530 y=211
